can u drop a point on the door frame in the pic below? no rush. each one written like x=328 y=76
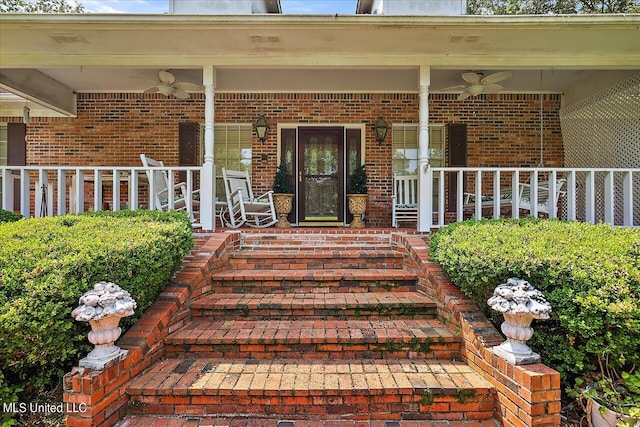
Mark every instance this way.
x=345 y=126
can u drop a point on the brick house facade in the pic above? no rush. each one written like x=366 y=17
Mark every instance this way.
x=112 y=129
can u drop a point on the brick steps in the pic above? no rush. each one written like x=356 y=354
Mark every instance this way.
x=314 y=280
x=351 y=389
x=319 y=258
x=211 y=421
x=313 y=328
x=306 y=240
x=371 y=305
x=314 y=339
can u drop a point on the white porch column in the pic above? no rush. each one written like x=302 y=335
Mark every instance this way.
x=208 y=176
x=425 y=178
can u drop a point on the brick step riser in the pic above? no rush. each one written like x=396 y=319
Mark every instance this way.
x=368 y=313
x=283 y=263
x=312 y=286
x=320 y=351
x=317 y=240
x=410 y=405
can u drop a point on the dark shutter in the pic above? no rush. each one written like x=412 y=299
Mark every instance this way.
x=188 y=144
x=16 y=155
x=16 y=144
x=456 y=157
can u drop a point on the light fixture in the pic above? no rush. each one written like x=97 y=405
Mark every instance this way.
x=380 y=128
x=166 y=89
x=476 y=89
x=262 y=128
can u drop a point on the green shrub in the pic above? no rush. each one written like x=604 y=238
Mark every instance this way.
x=46 y=264
x=589 y=273
x=8 y=216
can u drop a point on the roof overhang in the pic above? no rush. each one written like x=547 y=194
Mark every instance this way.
x=96 y=53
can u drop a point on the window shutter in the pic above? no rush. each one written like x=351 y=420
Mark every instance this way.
x=16 y=144
x=188 y=144
x=16 y=155
x=457 y=156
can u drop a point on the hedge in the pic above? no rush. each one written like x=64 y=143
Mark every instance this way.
x=589 y=273
x=8 y=216
x=46 y=264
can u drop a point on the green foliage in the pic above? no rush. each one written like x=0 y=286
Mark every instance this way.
x=358 y=181
x=41 y=6
x=544 y=7
x=589 y=273
x=46 y=264
x=282 y=181
x=8 y=216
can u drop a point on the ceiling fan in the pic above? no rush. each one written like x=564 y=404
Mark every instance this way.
x=170 y=87
x=477 y=83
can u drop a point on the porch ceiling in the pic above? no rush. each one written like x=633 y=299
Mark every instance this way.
x=123 y=53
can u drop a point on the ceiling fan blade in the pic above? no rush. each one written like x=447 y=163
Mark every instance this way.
x=181 y=94
x=458 y=87
x=191 y=87
x=166 y=77
x=463 y=95
x=152 y=90
x=496 y=77
x=471 y=78
x=493 y=88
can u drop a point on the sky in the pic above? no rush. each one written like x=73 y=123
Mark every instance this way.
x=343 y=7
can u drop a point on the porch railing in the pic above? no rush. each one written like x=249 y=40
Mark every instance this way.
x=37 y=191
x=586 y=194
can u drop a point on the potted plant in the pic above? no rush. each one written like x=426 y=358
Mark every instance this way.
x=612 y=399
x=282 y=196
x=357 y=196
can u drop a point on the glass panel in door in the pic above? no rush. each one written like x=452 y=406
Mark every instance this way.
x=321 y=175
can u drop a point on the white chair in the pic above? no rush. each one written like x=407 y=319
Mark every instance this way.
x=543 y=205
x=524 y=197
x=163 y=198
x=242 y=206
x=404 y=205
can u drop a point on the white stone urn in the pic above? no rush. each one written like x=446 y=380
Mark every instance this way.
x=103 y=307
x=357 y=207
x=520 y=303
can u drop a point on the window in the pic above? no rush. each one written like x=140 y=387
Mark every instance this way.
x=231 y=150
x=405 y=148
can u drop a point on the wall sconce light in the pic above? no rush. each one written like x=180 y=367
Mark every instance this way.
x=262 y=128
x=380 y=128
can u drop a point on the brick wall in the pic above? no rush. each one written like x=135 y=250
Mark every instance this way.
x=113 y=129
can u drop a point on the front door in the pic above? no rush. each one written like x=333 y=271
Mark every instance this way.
x=321 y=175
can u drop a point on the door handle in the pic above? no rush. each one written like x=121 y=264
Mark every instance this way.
x=300 y=176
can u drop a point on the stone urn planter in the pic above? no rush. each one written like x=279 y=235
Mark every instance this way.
x=520 y=303
x=357 y=196
x=357 y=207
x=283 y=204
x=282 y=195
x=103 y=307
x=604 y=417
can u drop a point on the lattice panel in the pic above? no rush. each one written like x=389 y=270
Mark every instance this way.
x=603 y=131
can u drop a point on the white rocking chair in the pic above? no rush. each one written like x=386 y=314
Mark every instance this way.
x=404 y=206
x=163 y=198
x=242 y=206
